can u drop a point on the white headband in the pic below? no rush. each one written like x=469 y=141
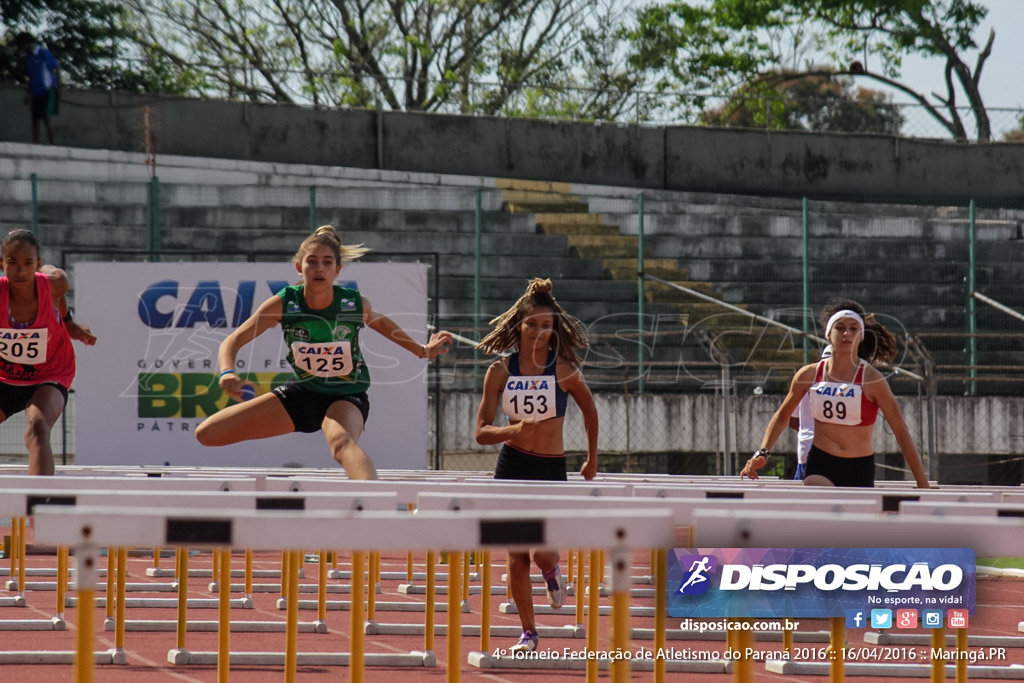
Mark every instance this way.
x=838 y=315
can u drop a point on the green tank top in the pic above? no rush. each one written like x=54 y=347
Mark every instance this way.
x=323 y=345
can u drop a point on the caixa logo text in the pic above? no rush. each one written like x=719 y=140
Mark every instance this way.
x=160 y=304
x=830 y=577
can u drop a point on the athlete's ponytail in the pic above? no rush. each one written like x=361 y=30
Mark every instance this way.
x=568 y=336
x=325 y=235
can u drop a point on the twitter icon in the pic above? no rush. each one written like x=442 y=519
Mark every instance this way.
x=881 y=618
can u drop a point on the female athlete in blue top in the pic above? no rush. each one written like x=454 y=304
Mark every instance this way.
x=533 y=384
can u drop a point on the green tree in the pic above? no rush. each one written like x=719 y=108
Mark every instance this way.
x=472 y=56
x=793 y=101
x=722 y=44
x=93 y=42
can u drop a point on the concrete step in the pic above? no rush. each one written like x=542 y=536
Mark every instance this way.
x=571 y=218
x=566 y=290
x=672 y=273
x=577 y=229
x=630 y=263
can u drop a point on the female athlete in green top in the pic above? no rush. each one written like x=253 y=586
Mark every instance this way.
x=321 y=323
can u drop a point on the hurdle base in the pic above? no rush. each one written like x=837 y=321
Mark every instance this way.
x=163 y=573
x=109 y=623
x=33 y=625
x=386 y=606
x=320 y=626
x=429 y=660
x=567 y=609
x=572 y=631
x=16 y=601
x=420 y=589
x=51 y=657
x=399 y=576
x=118 y=656
x=170 y=625
x=1020 y=627
x=178 y=656
x=370 y=627
x=413 y=659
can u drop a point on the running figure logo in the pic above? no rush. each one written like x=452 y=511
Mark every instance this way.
x=697 y=567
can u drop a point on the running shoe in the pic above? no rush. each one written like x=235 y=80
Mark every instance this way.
x=555 y=587
x=527 y=642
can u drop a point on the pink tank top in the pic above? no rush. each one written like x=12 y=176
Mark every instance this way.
x=41 y=351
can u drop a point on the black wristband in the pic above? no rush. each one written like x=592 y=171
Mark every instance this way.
x=764 y=453
x=68 y=317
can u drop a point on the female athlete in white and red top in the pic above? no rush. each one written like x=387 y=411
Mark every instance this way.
x=846 y=392
x=37 y=363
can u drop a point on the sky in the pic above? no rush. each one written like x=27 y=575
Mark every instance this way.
x=1001 y=82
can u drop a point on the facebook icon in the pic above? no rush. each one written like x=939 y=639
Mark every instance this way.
x=855 y=618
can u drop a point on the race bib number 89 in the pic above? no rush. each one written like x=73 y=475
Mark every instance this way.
x=529 y=398
x=325 y=359
x=27 y=347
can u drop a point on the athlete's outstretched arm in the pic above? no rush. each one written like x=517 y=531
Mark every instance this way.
x=265 y=317
x=577 y=387
x=780 y=420
x=59 y=286
x=486 y=433
x=389 y=328
x=877 y=390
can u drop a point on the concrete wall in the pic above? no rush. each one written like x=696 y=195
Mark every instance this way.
x=684 y=423
x=676 y=158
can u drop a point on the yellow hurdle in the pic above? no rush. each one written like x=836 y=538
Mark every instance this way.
x=182 y=596
x=428 y=632
x=15 y=547
x=938 y=672
x=454 y=618
x=408 y=555
x=357 y=616
x=580 y=586
x=621 y=632
x=465 y=576
x=592 y=609
x=961 y=662
x=321 y=591
x=371 y=586
x=248 y=574
x=660 y=610
x=291 y=650
x=111 y=576
x=84 y=658
x=62 y=579
x=21 y=556
x=224 y=612
x=485 y=602
x=156 y=557
x=122 y=578
x=837 y=663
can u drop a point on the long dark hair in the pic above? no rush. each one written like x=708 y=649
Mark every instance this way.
x=878 y=344
x=568 y=336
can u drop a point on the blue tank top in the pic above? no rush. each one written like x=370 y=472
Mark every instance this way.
x=533 y=397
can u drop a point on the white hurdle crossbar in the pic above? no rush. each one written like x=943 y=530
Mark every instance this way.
x=87 y=528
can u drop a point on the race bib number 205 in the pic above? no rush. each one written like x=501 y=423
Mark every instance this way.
x=27 y=347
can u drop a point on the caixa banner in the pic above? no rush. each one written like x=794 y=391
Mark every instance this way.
x=817 y=582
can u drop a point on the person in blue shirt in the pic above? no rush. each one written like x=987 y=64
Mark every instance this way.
x=43 y=94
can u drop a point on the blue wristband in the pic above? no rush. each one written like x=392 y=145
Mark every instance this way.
x=224 y=372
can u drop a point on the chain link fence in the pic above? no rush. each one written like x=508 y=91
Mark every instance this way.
x=699 y=308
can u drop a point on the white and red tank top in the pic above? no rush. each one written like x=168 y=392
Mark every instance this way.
x=841 y=403
x=39 y=351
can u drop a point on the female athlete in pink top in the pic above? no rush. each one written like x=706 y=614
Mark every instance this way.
x=846 y=393
x=37 y=363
